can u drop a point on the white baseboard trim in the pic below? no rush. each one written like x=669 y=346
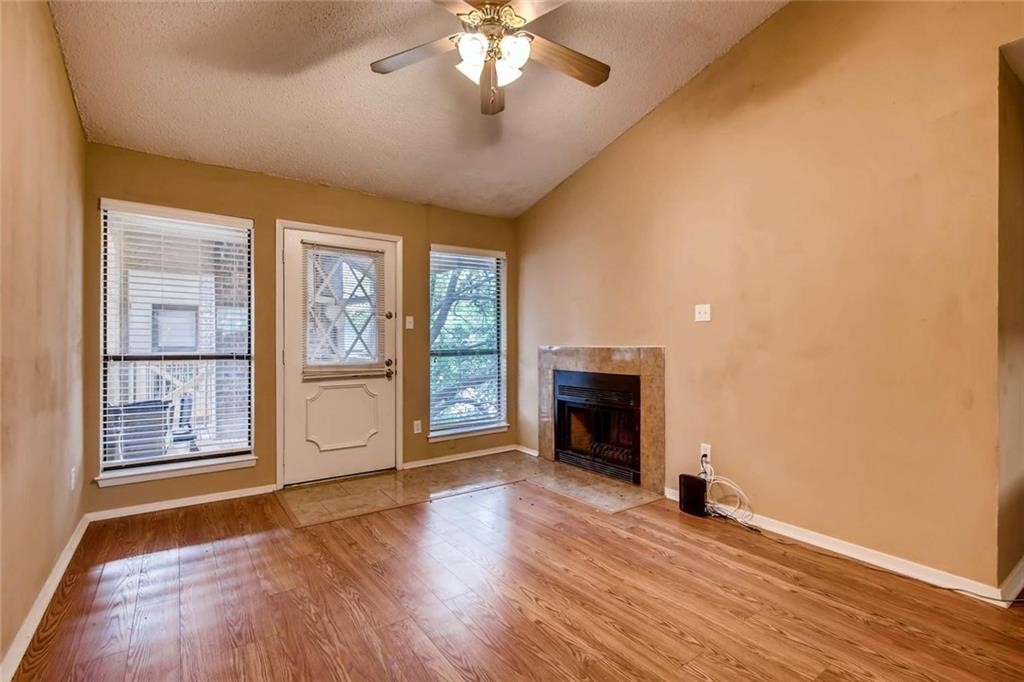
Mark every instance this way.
x=910 y=569
x=527 y=451
x=467 y=455
x=15 y=652
x=1012 y=586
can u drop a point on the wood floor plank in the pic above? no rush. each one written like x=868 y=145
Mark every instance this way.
x=571 y=609
x=430 y=663
x=109 y=668
x=461 y=648
x=108 y=626
x=154 y=652
x=512 y=582
x=913 y=623
x=53 y=650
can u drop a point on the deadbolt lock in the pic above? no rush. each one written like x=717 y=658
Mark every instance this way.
x=389 y=315
x=389 y=362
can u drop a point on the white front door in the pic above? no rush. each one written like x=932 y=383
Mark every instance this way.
x=339 y=342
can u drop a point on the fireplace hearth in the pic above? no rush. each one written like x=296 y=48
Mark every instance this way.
x=646 y=362
x=597 y=422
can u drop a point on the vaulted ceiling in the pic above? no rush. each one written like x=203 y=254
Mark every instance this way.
x=286 y=89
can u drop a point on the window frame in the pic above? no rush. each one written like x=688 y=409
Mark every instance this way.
x=186 y=466
x=455 y=432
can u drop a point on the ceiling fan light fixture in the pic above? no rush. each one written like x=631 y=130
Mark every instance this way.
x=515 y=50
x=507 y=73
x=493 y=49
x=473 y=48
x=470 y=71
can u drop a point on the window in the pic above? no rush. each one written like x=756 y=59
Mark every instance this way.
x=344 y=308
x=467 y=343
x=176 y=360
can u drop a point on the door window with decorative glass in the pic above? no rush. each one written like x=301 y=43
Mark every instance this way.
x=344 y=298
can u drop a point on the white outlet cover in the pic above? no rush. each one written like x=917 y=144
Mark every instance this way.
x=417 y=426
x=702 y=312
x=409 y=322
x=705 y=449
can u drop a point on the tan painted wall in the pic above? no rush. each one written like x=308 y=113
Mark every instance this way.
x=1011 y=319
x=830 y=187
x=42 y=164
x=132 y=176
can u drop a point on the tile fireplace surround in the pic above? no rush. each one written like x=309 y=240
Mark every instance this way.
x=648 y=362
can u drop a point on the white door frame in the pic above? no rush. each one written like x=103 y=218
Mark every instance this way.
x=282 y=225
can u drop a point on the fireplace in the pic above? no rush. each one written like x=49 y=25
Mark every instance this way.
x=597 y=422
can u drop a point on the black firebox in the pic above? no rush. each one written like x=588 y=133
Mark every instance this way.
x=597 y=422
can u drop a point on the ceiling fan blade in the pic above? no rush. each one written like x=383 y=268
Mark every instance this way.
x=456 y=7
x=492 y=98
x=534 y=9
x=570 y=62
x=413 y=55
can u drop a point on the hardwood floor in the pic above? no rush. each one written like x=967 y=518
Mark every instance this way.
x=513 y=582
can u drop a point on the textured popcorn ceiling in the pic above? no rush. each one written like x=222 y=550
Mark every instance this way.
x=286 y=89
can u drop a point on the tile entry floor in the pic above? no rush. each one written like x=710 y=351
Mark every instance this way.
x=342 y=498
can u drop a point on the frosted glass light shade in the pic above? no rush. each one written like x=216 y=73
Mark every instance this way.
x=506 y=73
x=471 y=71
x=473 y=48
x=515 y=50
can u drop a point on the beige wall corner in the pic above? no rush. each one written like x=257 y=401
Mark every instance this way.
x=830 y=186
x=134 y=176
x=43 y=179
x=1011 y=315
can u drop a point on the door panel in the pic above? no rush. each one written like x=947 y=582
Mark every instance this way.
x=356 y=401
x=339 y=341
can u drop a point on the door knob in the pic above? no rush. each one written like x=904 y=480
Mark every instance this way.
x=389 y=374
x=389 y=315
x=389 y=362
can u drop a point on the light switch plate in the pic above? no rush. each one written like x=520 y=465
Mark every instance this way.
x=702 y=312
x=417 y=426
x=409 y=323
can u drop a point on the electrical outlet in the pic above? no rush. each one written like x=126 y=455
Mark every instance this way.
x=702 y=312
x=74 y=477
x=417 y=426
x=705 y=450
x=409 y=322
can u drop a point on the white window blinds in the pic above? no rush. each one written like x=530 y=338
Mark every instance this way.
x=467 y=345
x=176 y=359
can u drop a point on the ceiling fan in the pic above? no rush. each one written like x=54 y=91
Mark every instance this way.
x=494 y=48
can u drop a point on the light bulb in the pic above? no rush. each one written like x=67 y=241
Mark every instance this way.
x=473 y=48
x=470 y=71
x=515 y=50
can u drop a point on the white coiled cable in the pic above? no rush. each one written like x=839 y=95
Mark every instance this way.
x=741 y=510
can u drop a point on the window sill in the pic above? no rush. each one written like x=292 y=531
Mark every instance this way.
x=173 y=470
x=452 y=434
